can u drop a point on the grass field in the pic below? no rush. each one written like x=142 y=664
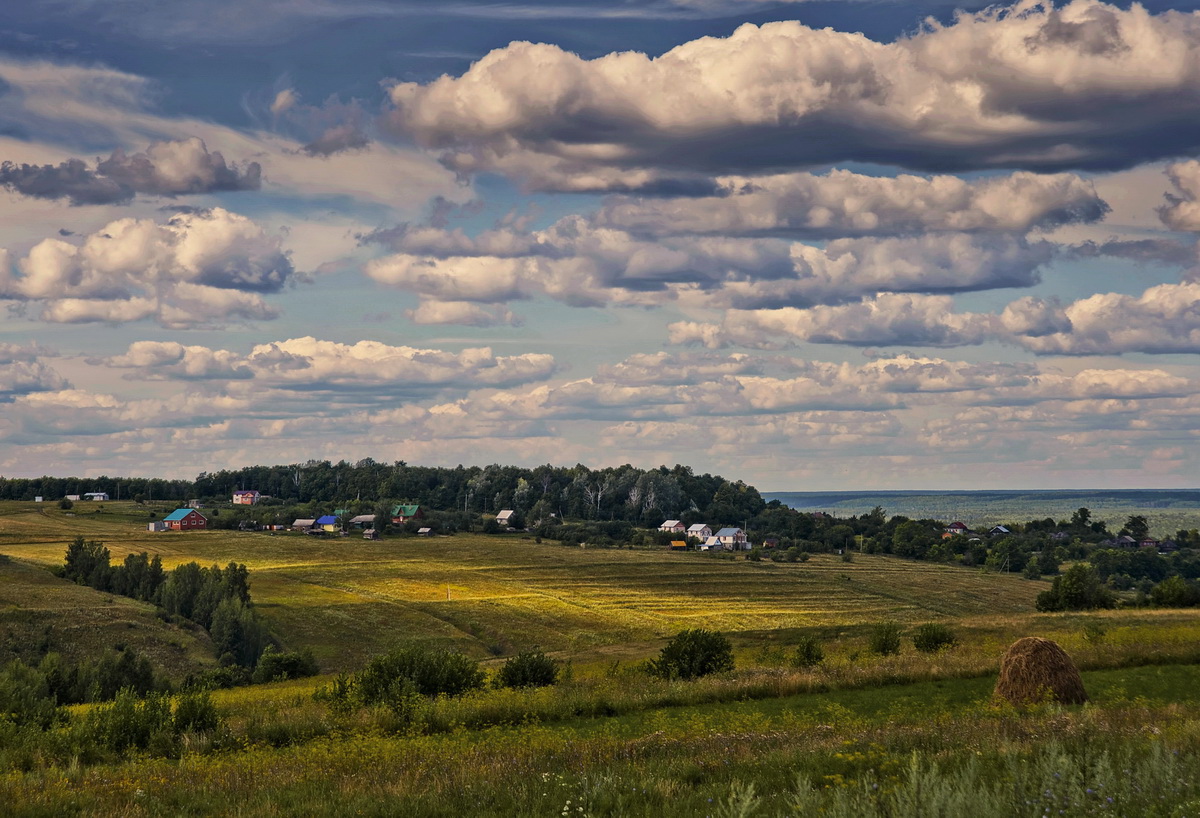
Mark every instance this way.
x=860 y=735
x=349 y=598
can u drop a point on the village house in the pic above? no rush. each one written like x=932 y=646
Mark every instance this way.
x=185 y=519
x=734 y=539
x=328 y=524
x=363 y=521
x=679 y=545
x=304 y=524
x=504 y=518
x=672 y=527
x=402 y=513
x=998 y=531
x=245 y=498
x=712 y=543
x=700 y=531
x=424 y=532
x=95 y=495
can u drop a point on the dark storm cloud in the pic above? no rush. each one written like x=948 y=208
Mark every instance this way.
x=170 y=168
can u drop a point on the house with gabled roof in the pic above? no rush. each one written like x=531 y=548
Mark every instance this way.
x=404 y=512
x=999 y=531
x=304 y=524
x=712 y=544
x=186 y=519
x=328 y=523
x=679 y=545
x=246 y=498
x=672 y=527
x=505 y=517
x=363 y=521
x=734 y=539
x=956 y=528
x=700 y=531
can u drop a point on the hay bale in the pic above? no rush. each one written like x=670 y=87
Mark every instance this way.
x=1035 y=670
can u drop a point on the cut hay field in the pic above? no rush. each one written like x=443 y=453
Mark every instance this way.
x=860 y=734
x=348 y=598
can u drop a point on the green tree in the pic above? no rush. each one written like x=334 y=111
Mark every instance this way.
x=528 y=669
x=1079 y=589
x=693 y=653
x=1137 y=527
x=1175 y=592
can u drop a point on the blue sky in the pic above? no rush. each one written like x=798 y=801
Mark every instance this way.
x=813 y=245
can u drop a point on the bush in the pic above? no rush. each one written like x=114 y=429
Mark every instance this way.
x=692 y=654
x=529 y=669
x=416 y=668
x=275 y=666
x=885 y=639
x=65 y=504
x=809 y=652
x=1079 y=589
x=195 y=713
x=932 y=637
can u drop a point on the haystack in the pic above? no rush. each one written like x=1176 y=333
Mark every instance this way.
x=1035 y=670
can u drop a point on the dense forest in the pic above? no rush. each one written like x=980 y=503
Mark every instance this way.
x=639 y=496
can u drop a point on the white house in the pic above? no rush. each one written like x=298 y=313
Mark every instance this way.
x=700 y=531
x=672 y=527
x=734 y=539
x=95 y=495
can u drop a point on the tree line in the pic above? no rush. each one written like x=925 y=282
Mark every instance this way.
x=217 y=599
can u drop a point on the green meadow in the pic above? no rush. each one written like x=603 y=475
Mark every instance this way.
x=858 y=734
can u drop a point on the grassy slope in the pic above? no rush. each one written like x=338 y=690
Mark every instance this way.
x=348 y=598
x=39 y=612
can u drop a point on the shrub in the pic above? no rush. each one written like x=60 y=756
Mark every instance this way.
x=1079 y=589
x=195 y=713
x=885 y=639
x=809 y=652
x=528 y=669
x=692 y=654
x=427 y=671
x=1175 y=592
x=65 y=504
x=932 y=637
x=276 y=666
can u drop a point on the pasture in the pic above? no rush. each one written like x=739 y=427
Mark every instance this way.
x=347 y=598
x=859 y=735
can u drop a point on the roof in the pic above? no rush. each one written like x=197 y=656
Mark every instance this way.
x=696 y=526
x=328 y=519
x=957 y=524
x=505 y=514
x=303 y=523
x=245 y=491
x=405 y=510
x=728 y=532
x=363 y=518
x=669 y=524
x=180 y=513
x=424 y=530
x=678 y=544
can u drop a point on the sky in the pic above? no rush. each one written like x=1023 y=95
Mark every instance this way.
x=813 y=245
